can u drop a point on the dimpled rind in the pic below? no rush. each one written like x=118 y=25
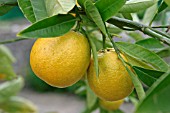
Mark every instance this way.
x=110 y=105
x=113 y=82
x=61 y=61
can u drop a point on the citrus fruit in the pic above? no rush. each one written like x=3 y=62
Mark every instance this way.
x=2 y=76
x=110 y=105
x=61 y=61
x=113 y=82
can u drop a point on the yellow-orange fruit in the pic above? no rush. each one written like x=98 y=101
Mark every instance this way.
x=110 y=105
x=113 y=82
x=61 y=61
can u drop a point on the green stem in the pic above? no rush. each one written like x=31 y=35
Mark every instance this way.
x=104 y=41
x=14 y=40
x=165 y=26
x=157 y=36
x=131 y=25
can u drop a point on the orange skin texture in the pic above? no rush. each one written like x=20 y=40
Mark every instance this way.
x=113 y=82
x=110 y=105
x=61 y=61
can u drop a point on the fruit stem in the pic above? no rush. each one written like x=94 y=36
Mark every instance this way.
x=104 y=41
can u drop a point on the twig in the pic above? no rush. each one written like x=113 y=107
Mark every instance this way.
x=124 y=23
x=166 y=26
x=14 y=40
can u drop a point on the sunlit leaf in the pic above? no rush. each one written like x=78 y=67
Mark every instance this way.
x=147 y=76
x=151 y=44
x=133 y=6
x=144 y=55
x=5 y=9
x=57 y=26
x=36 y=10
x=109 y=8
x=93 y=12
x=18 y=105
x=157 y=98
x=168 y=2
x=10 y=88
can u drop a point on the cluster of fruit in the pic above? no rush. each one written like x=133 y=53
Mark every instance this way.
x=64 y=60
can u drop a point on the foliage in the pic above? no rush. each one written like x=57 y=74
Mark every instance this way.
x=102 y=21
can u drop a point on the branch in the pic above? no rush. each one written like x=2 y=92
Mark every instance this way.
x=124 y=23
x=14 y=40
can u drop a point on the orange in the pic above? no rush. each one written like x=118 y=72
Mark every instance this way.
x=113 y=82
x=61 y=61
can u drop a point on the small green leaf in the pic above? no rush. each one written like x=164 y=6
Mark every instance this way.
x=95 y=54
x=55 y=7
x=4 y=51
x=144 y=55
x=150 y=13
x=93 y=12
x=6 y=69
x=27 y=9
x=127 y=16
x=135 y=35
x=91 y=97
x=10 y=88
x=157 y=98
x=147 y=76
x=18 y=105
x=8 y=1
x=35 y=10
x=57 y=26
x=5 y=9
x=136 y=62
x=165 y=52
x=168 y=2
x=151 y=44
x=109 y=8
x=133 y=6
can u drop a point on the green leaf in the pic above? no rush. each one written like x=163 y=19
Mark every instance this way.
x=27 y=9
x=4 y=51
x=157 y=99
x=168 y=2
x=144 y=55
x=91 y=97
x=35 y=10
x=57 y=26
x=154 y=11
x=147 y=76
x=6 y=69
x=8 y=1
x=55 y=7
x=18 y=105
x=109 y=8
x=135 y=35
x=133 y=6
x=127 y=16
x=95 y=54
x=10 y=88
x=165 y=52
x=93 y=12
x=5 y=9
x=150 y=13
x=151 y=44
x=6 y=60
x=136 y=62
